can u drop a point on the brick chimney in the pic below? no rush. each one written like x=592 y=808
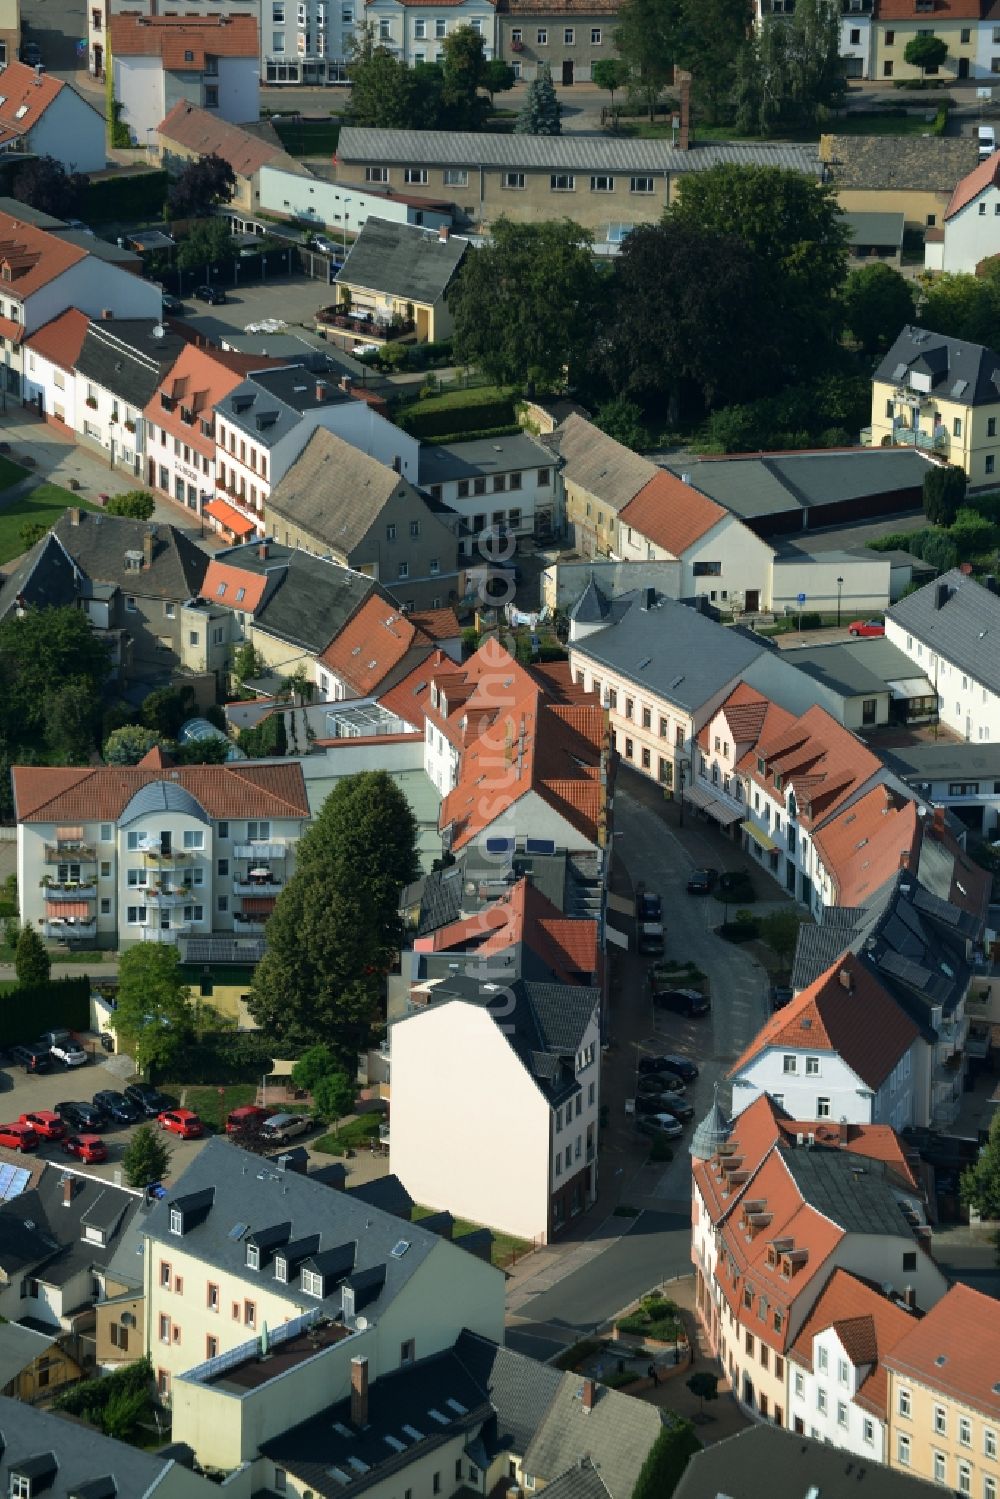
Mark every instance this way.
x=262 y=551
x=106 y=314
x=359 y=1392
x=937 y=823
x=910 y=1298
x=443 y=233
x=69 y=1187
x=321 y=390
x=589 y=1394
x=683 y=80
x=843 y=1131
x=74 y=515
x=147 y=548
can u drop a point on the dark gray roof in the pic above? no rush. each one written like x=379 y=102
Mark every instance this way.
x=616 y=1434
x=403 y=260
x=482 y=455
x=518 y=1389
x=964 y=630
x=388 y=1194
x=38 y=1229
x=820 y=945
x=898 y=163
x=82 y=1455
x=308 y=600
x=564 y=1012
x=234 y=1189
x=101 y=249
x=958 y=371
x=854 y=1194
x=269 y=404
x=19 y=1347
x=98 y=543
x=582 y=1481
x=44 y=579
x=756 y=486
x=927 y=763
x=437 y=898
x=852 y=670
x=875 y=228
x=766 y=1460
x=129 y=357
x=671 y=650
x=593 y=606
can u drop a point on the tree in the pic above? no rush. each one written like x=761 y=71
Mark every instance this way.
x=540 y=112
x=207 y=242
x=123 y=1413
x=705 y=1385
x=145 y=1159
x=384 y=91
x=944 y=493
x=525 y=305
x=319 y=1061
x=46 y=185
x=498 y=77
x=780 y=930
x=166 y=709
x=127 y=745
x=815 y=69
x=622 y=420
x=137 y=504
x=333 y=1097
x=42 y=652
x=336 y=924
x=646 y=41
x=665 y=1461
x=711 y=35
x=878 y=303
x=199 y=187
x=246 y=662
x=153 y=1012
x=72 y=720
x=211 y=751
x=463 y=72
x=610 y=73
x=31 y=961
x=924 y=51
x=979 y=1187
x=962 y=306
x=31 y=532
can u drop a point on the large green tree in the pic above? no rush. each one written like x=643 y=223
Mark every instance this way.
x=610 y=73
x=336 y=925
x=52 y=671
x=646 y=40
x=711 y=35
x=963 y=306
x=878 y=303
x=146 y=1158
x=137 y=504
x=944 y=493
x=980 y=1184
x=540 y=113
x=923 y=51
x=127 y=745
x=199 y=186
x=384 y=91
x=463 y=74
x=207 y=242
x=153 y=1013
x=525 y=305
x=790 y=70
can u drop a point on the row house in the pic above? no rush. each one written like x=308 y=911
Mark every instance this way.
x=113 y=855
x=944 y=1399
x=118 y=370
x=874 y=35
x=414 y=31
x=948 y=629
x=161 y=60
x=777 y=1206
x=842 y=1049
x=506 y=489
x=566 y=36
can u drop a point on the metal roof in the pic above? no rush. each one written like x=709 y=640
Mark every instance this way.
x=162 y=796
x=959 y=619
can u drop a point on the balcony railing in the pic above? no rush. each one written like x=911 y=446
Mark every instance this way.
x=168 y=897
x=243 y=886
x=251 y=924
x=70 y=853
x=165 y=934
x=69 y=931
x=261 y=851
x=159 y=855
x=69 y=892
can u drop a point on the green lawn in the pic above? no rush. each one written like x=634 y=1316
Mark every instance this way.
x=308 y=137
x=10 y=472
x=44 y=504
x=506 y=1247
x=353 y=1135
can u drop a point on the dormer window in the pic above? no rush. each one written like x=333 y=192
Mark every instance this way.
x=176 y=1221
x=20 y=1486
x=779 y=781
x=434 y=695
x=312 y=1285
x=761 y=766
x=281 y=1269
x=253 y=1257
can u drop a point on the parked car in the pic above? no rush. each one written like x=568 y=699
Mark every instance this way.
x=82 y=1116
x=31 y=53
x=986 y=136
x=213 y=295
x=64 y=1048
x=660 y=1082
x=681 y=1066
x=117 y=1107
x=18 y=1136
x=690 y=1002
x=661 y=1124
x=182 y=1122
x=239 y=1118
x=33 y=1057
x=283 y=1127
x=702 y=881
x=653 y=1064
x=46 y=1124
x=656 y=1103
x=649 y=905
x=325 y=246
x=90 y=1149
x=781 y=995
x=172 y=305
x=867 y=628
x=149 y=1099
x=650 y=937
x=679 y=1107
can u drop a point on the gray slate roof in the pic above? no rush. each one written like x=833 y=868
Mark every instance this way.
x=19 y=1347
x=467 y=148
x=129 y=357
x=852 y=669
x=403 y=260
x=82 y=1456
x=267 y=405
x=335 y=491
x=616 y=1434
x=486 y=455
x=36 y=1229
x=673 y=651
x=944 y=762
x=98 y=543
x=965 y=630
x=958 y=370
x=44 y=579
x=308 y=600
x=756 y=486
x=820 y=945
x=856 y=1197
x=598 y=464
x=765 y=1460
x=894 y=163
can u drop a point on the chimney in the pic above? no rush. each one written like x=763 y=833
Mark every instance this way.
x=296 y=1164
x=69 y=1187
x=106 y=314
x=147 y=548
x=589 y=1392
x=843 y=1131
x=942 y=593
x=684 y=133
x=74 y=515
x=937 y=823
x=991 y=582
x=262 y=551
x=346 y=383
x=904 y=858
x=846 y=981
x=648 y=599
x=321 y=390
x=910 y=1298
x=443 y=234
x=359 y=1392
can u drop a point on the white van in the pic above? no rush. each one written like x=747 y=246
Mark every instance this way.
x=987 y=141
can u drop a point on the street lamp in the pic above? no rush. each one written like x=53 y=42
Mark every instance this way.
x=840 y=585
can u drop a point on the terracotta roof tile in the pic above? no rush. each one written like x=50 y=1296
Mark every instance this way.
x=943 y=11
x=861 y=1023
x=86 y=794
x=868 y=1325
x=987 y=174
x=410 y=698
x=953 y=1349
x=671 y=514
x=569 y=948
x=30 y=258
x=817 y=758
x=439 y=624
x=226 y=584
x=183 y=42
x=863 y=846
x=202 y=131
x=60 y=340
x=27 y=91
x=371 y=645
x=197 y=380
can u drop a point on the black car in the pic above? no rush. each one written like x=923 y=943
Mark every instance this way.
x=117 y=1107
x=781 y=995
x=662 y=1103
x=149 y=1100
x=173 y=305
x=650 y=905
x=36 y=1057
x=679 y=1107
x=680 y=1066
x=659 y=1082
x=82 y=1116
x=653 y=1064
x=214 y=295
x=688 y=1002
x=702 y=881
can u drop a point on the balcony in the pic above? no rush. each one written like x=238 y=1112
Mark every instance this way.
x=248 y=925
x=69 y=931
x=261 y=851
x=165 y=934
x=69 y=891
x=168 y=897
x=70 y=853
x=158 y=855
x=244 y=886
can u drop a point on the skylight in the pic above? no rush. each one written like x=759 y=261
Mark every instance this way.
x=400 y=1248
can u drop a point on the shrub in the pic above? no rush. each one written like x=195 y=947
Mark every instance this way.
x=811 y=621
x=139 y=195
x=90 y=1398
x=473 y=416
x=223 y=1058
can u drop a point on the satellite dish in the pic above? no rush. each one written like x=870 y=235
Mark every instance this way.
x=361 y=1324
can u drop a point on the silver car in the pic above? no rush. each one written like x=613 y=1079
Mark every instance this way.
x=283 y=1127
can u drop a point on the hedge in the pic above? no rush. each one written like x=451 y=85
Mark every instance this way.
x=511 y=429
x=60 y=1004
x=138 y=195
x=440 y=421
x=221 y=1057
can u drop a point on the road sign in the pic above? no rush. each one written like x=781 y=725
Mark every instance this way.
x=800 y=598
x=984 y=93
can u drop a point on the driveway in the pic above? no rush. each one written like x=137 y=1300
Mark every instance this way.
x=295 y=299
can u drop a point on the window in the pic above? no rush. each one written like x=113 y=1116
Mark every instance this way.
x=843 y=1373
x=822 y=1108
x=790 y=1064
x=414 y=528
x=562 y=182
x=822 y=1360
x=990 y=462
x=903 y=1403
x=989 y=1443
x=964 y=1431
x=903 y=1450
x=514 y=181
x=250 y=1313
x=404 y=570
x=569 y=36
x=436 y=1483
x=280 y=1480
x=407 y=1352
x=194 y=839
x=956 y=426
x=595 y=36
x=940 y=1468
x=420 y=29
x=812 y=1066
x=456 y=177
x=989 y=1487
x=940 y=1421
x=602 y=184
x=164 y=1328
x=312 y=1284
x=800 y=1384
x=440 y=27
x=376 y=174
x=211 y=96
x=542 y=37
x=842 y=1414
x=869 y=1431
x=821 y=1401
x=415 y=174
x=165 y=1268
x=887 y=66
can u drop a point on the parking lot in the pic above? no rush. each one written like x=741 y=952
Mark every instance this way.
x=294 y=299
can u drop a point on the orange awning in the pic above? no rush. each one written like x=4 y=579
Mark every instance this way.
x=258 y=905
x=230 y=518
x=77 y=908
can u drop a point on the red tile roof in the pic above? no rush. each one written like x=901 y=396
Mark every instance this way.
x=183 y=42
x=856 y=1019
x=25 y=90
x=868 y=1325
x=30 y=258
x=568 y=947
x=225 y=584
x=409 y=698
x=749 y=716
x=865 y=844
x=672 y=514
x=987 y=174
x=953 y=1349
x=202 y=131
x=439 y=624
x=373 y=643
x=943 y=11
x=61 y=339
x=86 y=794
x=196 y=380
x=818 y=759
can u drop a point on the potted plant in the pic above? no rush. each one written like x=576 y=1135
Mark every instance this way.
x=92 y=402
x=129 y=424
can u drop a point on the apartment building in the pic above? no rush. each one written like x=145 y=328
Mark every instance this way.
x=944 y=1409
x=415 y=30
x=43 y=116
x=388 y=1292
x=507 y=488
x=762 y=1460
x=566 y=36
x=113 y=855
x=941 y=394
x=947 y=628
x=161 y=60
x=777 y=1205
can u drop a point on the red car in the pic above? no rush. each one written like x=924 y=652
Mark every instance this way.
x=90 y=1149
x=182 y=1122
x=47 y=1126
x=867 y=627
x=18 y=1136
x=240 y=1118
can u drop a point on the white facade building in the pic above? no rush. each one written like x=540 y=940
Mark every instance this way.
x=821 y=1085
x=336 y=206
x=970 y=232
x=416 y=33
x=949 y=629
x=507 y=485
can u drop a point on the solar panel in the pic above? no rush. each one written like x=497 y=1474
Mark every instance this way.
x=13 y=1180
x=399 y=1248
x=237 y=1231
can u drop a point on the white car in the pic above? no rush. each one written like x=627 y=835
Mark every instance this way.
x=65 y=1050
x=365 y=349
x=661 y=1124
